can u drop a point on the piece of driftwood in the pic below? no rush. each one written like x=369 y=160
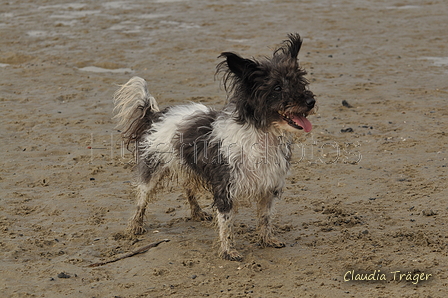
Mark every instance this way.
x=130 y=254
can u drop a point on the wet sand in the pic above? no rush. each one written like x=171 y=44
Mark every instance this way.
x=366 y=194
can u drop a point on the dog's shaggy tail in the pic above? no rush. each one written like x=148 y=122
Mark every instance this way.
x=134 y=107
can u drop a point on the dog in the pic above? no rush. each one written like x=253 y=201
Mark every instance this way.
x=240 y=153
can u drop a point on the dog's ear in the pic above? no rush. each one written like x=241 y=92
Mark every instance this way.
x=294 y=45
x=238 y=65
x=290 y=47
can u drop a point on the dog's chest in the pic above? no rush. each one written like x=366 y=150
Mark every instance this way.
x=259 y=161
x=262 y=165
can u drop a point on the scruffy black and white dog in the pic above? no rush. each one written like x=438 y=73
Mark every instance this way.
x=239 y=153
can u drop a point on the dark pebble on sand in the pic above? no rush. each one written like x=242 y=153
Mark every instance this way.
x=194 y=276
x=346 y=104
x=63 y=275
x=348 y=129
x=91 y=179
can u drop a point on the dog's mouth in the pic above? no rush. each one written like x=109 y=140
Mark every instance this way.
x=297 y=120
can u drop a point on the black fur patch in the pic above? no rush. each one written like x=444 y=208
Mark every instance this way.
x=203 y=158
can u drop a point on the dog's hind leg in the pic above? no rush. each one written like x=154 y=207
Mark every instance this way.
x=135 y=225
x=148 y=179
x=197 y=214
x=265 y=214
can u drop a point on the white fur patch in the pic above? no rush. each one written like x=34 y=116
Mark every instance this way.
x=159 y=139
x=257 y=159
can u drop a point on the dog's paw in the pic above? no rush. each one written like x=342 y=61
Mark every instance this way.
x=136 y=229
x=272 y=242
x=232 y=255
x=201 y=216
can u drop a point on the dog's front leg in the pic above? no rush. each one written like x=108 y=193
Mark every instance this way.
x=225 y=225
x=265 y=215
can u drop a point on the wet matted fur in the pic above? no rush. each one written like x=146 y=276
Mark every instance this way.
x=239 y=153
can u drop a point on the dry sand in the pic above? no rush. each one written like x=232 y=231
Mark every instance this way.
x=371 y=198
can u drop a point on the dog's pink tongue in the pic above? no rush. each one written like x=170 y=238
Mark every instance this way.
x=303 y=122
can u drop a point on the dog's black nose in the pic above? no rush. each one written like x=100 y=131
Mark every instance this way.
x=310 y=101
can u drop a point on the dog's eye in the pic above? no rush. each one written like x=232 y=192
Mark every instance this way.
x=278 y=88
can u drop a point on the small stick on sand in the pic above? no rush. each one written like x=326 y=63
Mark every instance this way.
x=133 y=253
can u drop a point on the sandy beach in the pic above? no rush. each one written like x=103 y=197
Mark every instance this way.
x=366 y=197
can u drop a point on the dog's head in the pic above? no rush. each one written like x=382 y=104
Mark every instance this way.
x=270 y=92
